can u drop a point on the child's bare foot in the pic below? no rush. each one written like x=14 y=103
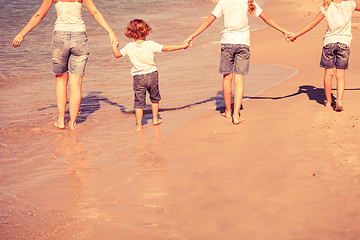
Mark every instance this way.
x=157 y=122
x=327 y=103
x=339 y=107
x=237 y=120
x=226 y=114
x=59 y=124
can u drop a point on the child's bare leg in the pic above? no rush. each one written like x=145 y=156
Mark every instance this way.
x=226 y=87
x=155 y=112
x=139 y=116
x=340 y=76
x=75 y=97
x=61 y=98
x=238 y=96
x=328 y=76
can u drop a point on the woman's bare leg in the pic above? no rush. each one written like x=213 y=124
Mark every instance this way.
x=61 y=98
x=75 y=98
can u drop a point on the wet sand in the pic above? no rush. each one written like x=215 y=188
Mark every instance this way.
x=290 y=171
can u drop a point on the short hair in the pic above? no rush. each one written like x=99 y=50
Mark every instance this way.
x=137 y=28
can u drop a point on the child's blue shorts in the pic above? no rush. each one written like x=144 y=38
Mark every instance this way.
x=335 y=55
x=146 y=83
x=235 y=58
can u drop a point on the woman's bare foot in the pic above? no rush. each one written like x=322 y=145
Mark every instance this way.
x=72 y=126
x=59 y=124
x=138 y=128
x=157 y=122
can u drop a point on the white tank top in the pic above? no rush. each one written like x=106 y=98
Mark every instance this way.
x=69 y=17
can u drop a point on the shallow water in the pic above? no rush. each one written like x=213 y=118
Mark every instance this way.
x=103 y=167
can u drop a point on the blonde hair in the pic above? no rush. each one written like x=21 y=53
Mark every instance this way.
x=326 y=3
x=251 y=6
x=137 y=28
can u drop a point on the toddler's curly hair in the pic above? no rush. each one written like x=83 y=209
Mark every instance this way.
x=251 y=6
x=326 y=4
x=137 y=28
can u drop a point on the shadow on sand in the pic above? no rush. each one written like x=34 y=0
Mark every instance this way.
x=91 y=103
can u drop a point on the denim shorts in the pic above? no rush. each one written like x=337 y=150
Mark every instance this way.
x=235 y=58
x=146 y=83
x=70 y=52
x=335 y=55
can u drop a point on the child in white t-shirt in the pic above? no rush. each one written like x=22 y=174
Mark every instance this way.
x=235 y=46
x=144 y=70
x=336 y=49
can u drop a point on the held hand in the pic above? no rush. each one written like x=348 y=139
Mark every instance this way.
x=286 y=35
x=188 y=40
x=114 y=40
x=187 y=45
x=291 y=37
x=17 y=40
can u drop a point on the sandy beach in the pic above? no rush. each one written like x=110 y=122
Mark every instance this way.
x=291 y=171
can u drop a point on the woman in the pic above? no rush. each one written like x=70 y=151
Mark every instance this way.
x=69 y=49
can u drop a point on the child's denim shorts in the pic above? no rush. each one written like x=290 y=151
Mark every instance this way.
x=335 y=55
x=70 y=52
x=146 y=83
x=235 y=58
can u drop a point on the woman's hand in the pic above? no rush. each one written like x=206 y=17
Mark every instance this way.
x=18 y=40
x=113 y=39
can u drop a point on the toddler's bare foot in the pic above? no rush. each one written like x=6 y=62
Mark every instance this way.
x=157 y=122
x=59 y=124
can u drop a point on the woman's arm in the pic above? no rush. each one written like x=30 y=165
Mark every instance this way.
x=271 y=22
x=90 y=6
x=201 y=28
x=311 y=25
x=34 y=21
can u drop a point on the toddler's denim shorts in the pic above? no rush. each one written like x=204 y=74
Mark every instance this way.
x=235 y=58
x=146 y=83
x=335 y=55
x=70 y=52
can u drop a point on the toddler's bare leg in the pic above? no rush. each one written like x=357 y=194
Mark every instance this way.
x=155 y=112
x=139 y=116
